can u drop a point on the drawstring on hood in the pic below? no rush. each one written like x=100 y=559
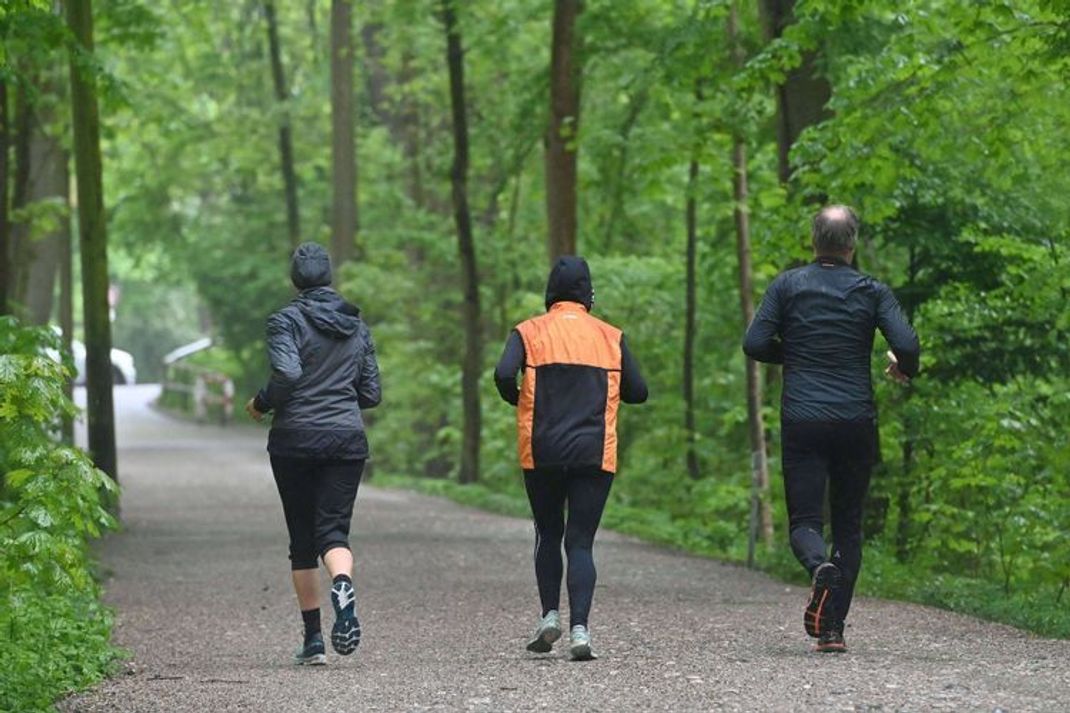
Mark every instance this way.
x=310 y=266
x=570 y=281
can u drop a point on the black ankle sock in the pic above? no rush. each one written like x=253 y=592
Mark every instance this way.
x=311 y=618
x=342 y=578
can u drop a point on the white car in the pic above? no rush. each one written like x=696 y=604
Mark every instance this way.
x=123 y=370
x=122 y=365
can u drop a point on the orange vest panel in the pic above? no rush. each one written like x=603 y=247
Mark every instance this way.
x=567 y=336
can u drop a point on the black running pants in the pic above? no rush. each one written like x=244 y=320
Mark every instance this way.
x=841 y=455
x=584 y=492
x=317 y=500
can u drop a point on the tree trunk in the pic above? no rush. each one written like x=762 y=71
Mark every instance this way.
x=85 y=121
x=20 y=198
x=66 y=290
x=802 y=96
x=286 y=151
x=343 y=141
x=563 y=132
x=761 y=520
x=5 y=236
x=44 y=252
x=690 y=319
x=473 y=357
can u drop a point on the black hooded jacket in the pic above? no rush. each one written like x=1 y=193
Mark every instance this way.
x=323 y=368
x=570 y=281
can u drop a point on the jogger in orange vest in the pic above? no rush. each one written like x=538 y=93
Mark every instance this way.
x=576 y=371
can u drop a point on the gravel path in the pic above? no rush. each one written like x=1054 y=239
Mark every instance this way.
x=199 y=578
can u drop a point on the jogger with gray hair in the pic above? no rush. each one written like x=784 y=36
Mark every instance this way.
x=819 y=321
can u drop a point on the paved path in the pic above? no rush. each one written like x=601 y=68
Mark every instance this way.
x=200 y=581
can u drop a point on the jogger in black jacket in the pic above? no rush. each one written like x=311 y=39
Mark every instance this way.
x=323 y=372
x=819 y=322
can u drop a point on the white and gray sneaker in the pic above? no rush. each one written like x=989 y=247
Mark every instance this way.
x=580 y=644
x=546 y=633
x=345 y=635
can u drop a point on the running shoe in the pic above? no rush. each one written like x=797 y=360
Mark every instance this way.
x=819 y=614
x=580 y=644
x=831 y=642
x=345 y=636
x=312 y=652
x=546 y=633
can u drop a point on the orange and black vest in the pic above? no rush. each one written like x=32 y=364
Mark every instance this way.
x=567 y=414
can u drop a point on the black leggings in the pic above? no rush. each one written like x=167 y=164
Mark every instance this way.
x=585 y=491
x=841 y=454
x=317 y=500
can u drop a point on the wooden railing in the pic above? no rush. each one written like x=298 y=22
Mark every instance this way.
x=193 y=389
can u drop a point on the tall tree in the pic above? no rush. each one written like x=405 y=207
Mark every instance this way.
x=691 y=219
x=563 y=132
x=473 y=354
x=66 y=293
x=343 y=141
x=802 y=97
x=40 y=245
x=5 y=242
x=92 y=233
x=761 y=523
x=286 y=149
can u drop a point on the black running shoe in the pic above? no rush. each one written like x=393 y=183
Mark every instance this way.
x=831 y=642
x=820 y=614
x=312 y=653
x=345 y=635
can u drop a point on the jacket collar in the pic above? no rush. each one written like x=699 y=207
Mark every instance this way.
x=566 y=306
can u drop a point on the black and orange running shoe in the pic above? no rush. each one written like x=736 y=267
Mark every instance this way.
x=831 y=642
x=820 y=610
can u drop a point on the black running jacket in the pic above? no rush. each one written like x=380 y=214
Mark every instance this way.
x=819 y=321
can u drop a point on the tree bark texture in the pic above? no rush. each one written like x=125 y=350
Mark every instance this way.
x=42 y=253
x=473 y=357
x=803 y=95
x=5 y=239
x=343 y=140
x=563 y=132
x=690 y=319
x=85 y=120
x=761 y=520
x=286 y=151
x=66 y=291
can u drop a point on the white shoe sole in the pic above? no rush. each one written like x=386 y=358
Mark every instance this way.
x=345 y=636
x=317 y=660
x=544 y=640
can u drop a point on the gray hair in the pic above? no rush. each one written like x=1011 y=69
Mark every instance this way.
x=835 y=229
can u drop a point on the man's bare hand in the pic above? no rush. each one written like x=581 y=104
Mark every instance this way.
x=250 y=408
x=893 y=370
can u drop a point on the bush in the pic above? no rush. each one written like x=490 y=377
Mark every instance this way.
x=54 y=632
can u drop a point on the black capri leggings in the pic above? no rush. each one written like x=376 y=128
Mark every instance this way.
x=317 y=500
x=585 y=490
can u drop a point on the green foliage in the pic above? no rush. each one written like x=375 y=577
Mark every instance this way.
x=54 y=633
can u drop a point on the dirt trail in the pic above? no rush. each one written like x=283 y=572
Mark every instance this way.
x=446 y=595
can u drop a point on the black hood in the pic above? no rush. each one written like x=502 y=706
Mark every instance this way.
x=570 y=281
x=310 y=266
x=328 y=312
